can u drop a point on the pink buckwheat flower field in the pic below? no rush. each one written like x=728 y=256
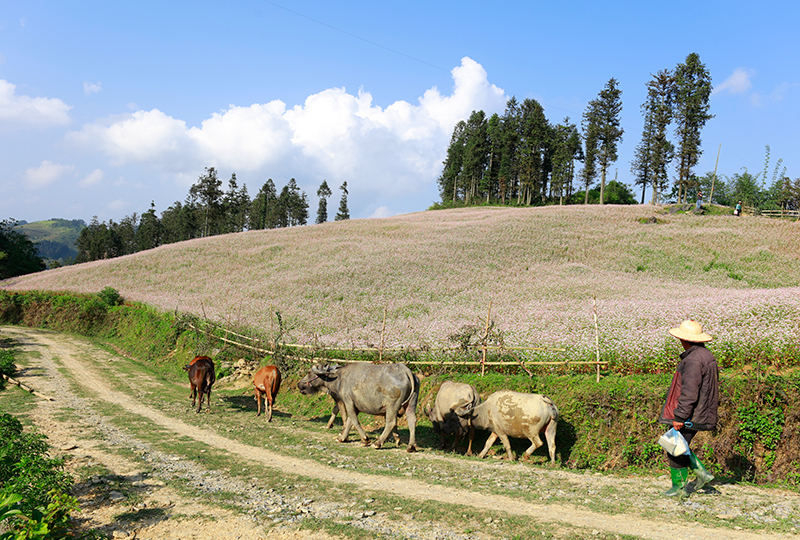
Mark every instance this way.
x=434 y=272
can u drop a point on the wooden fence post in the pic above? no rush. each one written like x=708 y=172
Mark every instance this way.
x=596 y=335
x=486 y=339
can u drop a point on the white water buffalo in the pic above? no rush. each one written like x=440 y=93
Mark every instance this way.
x=382 y=390
x=452 y=396
x=514 y=414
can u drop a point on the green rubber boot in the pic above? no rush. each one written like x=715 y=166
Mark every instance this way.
x=703 y=476
x=679 y=477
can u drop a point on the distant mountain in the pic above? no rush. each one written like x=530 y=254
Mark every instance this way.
x=54 y=238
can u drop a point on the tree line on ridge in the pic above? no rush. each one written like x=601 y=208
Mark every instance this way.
x=206 y=211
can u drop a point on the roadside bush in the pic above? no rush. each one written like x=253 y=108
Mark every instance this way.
x=26 y=469
x=110 y=296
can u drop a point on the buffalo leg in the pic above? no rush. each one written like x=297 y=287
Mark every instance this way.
x=411 y=417
x=489 y=443
x=550 y=435
x=536 y=442
x=507 y=444
x=471 y=436
x=391 y=425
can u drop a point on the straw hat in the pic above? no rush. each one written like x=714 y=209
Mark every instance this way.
x=691 y=331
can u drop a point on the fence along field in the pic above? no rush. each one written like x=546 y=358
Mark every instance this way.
x=435 y=272
x=483 y=344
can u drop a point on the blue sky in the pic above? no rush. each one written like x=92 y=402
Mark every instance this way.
x=107 y=106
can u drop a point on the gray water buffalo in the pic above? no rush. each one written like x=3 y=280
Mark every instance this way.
x=514 y=414
x=452 y=396
x=386 y=390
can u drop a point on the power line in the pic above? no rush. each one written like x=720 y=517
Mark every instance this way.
x=350 y=34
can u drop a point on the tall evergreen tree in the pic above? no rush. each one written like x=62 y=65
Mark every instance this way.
x=323 y=192
x=344 y=212
x=451 y=172
x=263 y=209
x=602 y=118
x=208 y=191
x=692 y=95
x=235 y=207
x=148 y=234
x=476 y=153
x=508 y=173
x=533 y=147
x=655 y=151
x=566 y=149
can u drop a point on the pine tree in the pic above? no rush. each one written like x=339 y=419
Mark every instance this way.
x=655 y=151
x=692 y=94
x=343 y=212
x=323 y=193
x=451 y=172
x=602 y=120
x=208 y=192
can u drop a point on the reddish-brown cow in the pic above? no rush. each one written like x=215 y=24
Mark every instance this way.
x=267 y=382
x=201 y=378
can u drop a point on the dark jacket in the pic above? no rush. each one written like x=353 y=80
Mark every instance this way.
x=694 y=392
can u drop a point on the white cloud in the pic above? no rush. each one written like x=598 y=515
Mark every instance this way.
x=92 y=179
x=25 y=111
x=382 y=212
x=46 y=174
x=737 y=83
x=333 y=135
x=91 y=88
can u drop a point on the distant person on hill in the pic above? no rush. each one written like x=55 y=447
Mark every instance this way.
x=691 y=403
x=738 y=210
x=699 y=199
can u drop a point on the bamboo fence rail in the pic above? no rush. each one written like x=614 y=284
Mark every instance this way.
x=271 y=347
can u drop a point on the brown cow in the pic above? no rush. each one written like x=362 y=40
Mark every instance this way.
x=201 y=378
x=267 y=382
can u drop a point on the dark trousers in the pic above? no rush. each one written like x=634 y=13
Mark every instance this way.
x=681 y=462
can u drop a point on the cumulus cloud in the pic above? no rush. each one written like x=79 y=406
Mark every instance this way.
x=382 y=212
x=46 y=174
x=737 y=83
x=92 y=179
x=25 y=111
x=333 y=134
x=91 y=88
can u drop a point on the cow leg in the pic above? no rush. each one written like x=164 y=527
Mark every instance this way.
x=489 y=443
x=470 y=435
x=334 y=412
x=507 y=444
x=268 y=406
x=391 y=425
x=208 y=399
x=193 y=394
x=258 y=401
x=550 y=435
x=411 y=417
x=536 y=442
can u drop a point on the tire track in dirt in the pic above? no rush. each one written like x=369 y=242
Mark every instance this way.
x=69 y=353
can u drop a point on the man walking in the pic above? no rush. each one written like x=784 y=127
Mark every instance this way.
x=691 y=404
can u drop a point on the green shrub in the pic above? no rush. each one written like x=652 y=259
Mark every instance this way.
x=110 y=296
x=25 y=468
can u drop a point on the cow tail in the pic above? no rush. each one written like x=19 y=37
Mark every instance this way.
x=414 y=388
x=553 y=409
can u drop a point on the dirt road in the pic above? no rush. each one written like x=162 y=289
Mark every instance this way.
x=55 y=354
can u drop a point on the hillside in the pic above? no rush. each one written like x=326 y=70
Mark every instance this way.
x=55 y=237
x=436 y=272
